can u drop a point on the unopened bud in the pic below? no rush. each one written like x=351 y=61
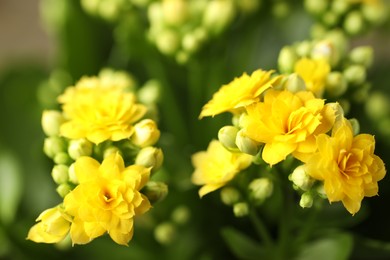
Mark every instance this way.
x=330 y=18
x=167 y=41
x=218 y=15
x=325 y=50
x=63 y=189
x=336 y=84
x=72 y=174
x=155 y=191
x=150 y=92
x=354 y=23
x=53 y=145
x=150 y=157
x=316 y=7
x=59 y=173
x=79 y=147
x=146 y=133
x=286 y=60
x=306 y=200
x=230 y=195
x=355 y=74
x=362 y=55
x=246 y=144
x=303 y=48
x=375 y=13
x=181 y=215
x=260 y=189
x=62 y=158
x=241 y=209
x=227 y=136
x=355 y=126
x=51 y=121
x=340 y=6
x=165 y=233
x=175 y=11
x=301 y=179
x=321 y=191
x=294 y=83
x=338 y=110
x=339 y=43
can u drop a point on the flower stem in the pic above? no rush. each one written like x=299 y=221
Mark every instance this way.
x=260 y=228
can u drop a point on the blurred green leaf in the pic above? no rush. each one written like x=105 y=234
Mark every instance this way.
x=10 y=186
x=366 y=248
x=335 y=246
x=244 y=247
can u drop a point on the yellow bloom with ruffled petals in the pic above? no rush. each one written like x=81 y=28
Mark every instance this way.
x=241 y=92
x=288 y=123
x=107 y=199
x=314 y=73
x=52 y=227
x=98 y=111
x=347 y=165
x=217 y=166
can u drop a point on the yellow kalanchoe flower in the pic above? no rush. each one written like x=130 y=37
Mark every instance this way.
x=287 y=123
x=52 y=227
x=347 y=165
x=98 y=111
x=106 y=200
x=217 y=166
x=314 y=73
x=239 y=93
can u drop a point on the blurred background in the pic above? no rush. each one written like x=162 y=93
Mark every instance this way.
x=48 y=45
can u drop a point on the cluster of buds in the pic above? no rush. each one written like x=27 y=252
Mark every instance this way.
x=353 y=16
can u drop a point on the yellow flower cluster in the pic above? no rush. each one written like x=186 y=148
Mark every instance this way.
x=282 y=123
x=102 y=146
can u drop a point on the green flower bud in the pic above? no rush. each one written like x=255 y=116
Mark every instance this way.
x=165 y=233
x=325 y=50
x=354 y=23
x=155 y=191
x=339 y=43
x=79 y=147
x=316 y=7
x=260 y=189
x=146 y=133
x=155 y=13
x=377 y=106
x=336 y=84
x=248 y=6
x=355 y=74
x=175 y=11
x=53 y=145
x=294 y=83
x=355 y=126
x=167 y=41
x=321 y=191
x=59 y=173
x=72 y=175
x=246 y=144
x=318 y=31
x=190 y=43
x=286 y=60
x=340 y=7
x=330 y=18
x=150 y=93
x=230 y=195
x=181 y=215
x=150 y=157
x=227 y=136
x=306 y=200
x=62 y=158
x=375 y=13
x=111 y=150
x=51 y=122
x=301 y=179
x=63 y=189
x=110 y=77
x=362 y=56
x=338 y=110
x=241 y=209
x=303 y=49
x=280 y=9
x=218 y=15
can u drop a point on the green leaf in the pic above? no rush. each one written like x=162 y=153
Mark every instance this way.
x=244 y=247
x=335 y=246
x=366 y=248
x=10 y=186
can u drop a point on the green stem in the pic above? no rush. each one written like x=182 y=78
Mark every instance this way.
x=309 y=225
x=260 y=228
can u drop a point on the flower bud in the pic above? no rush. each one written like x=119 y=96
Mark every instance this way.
x=280 y=9
x=63 y=189
x=167 y=41
x=165 y=233
x=318 y=31
x=59 y=173
x=339 y=43
x=338 y=110
x=79 y=147
x=150 y=93
x=376 y=13
x=230 y=195
x=150 y=157
x=377 y=106
x=260 y=189
x=51 y=121
x=355 y=74
x=301 y=179
x=155 y=191
x=218 y=15
x=303 y=48
x=286 y=60
x=241 y=209
x=175 y=11
x=316 y=7
x=336 y=84
x=362 y=56
x=330 y=18
x=111 y=150
x=325 y=50
x=340 y=7
x=321 y=191
x=294 y=83
x=190 y=43
x=181 y=215
x=306 y=200
x=354 y=23
x=355 y=126
x=246 y=144
x=62 y=158
x=146 y=133
x=72 y=175
x=53 y=145
x=248 y=6
x=227 y=137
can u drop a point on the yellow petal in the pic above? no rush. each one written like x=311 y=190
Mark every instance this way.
x=277 y=152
